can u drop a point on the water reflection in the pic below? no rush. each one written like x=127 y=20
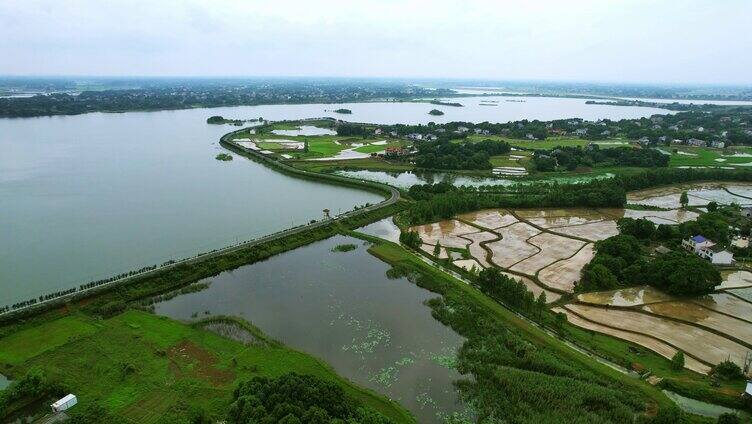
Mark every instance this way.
x=342 y=308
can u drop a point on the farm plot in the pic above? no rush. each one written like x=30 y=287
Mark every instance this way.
x=429 y=248
x=535 y=288
x=476 y=250
x=552 y=248
x=491 y=219
x=726 y=303
x=445 y=232
x=632 y=296
x=674 y=216
x=719 y=195
x=740 y=190
x=564 y=274
x=699 y=194
x=745 y=293
x=594 y=231
x=735 y=279
x=696 y=314
x=468 y=264
x=555 y=218
x=641 y=340
x=702 y=344
x=513 y=247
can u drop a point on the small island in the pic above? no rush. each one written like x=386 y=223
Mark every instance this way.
x=224 y=157
x=343 y=111
x=219 y=120
x=435 y=112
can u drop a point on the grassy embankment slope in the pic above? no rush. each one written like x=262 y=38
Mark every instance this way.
x=139 y=366
x=124 y=360
x=449 y=287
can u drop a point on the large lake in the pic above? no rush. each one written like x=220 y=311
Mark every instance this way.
x=85 y=197
x=341 y=307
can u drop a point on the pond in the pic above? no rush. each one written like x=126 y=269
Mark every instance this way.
x=341 y=307
x=410 y=178
x=305 y=130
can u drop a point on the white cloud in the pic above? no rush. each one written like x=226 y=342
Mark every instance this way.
x=611 y=40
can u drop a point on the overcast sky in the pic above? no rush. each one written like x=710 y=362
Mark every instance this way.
x=707 y=41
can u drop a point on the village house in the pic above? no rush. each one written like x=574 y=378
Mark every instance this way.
x=415 y=136
x=662 y=139
x=377 y=131
x=677 y=141
x=674 y=128
x=717 y=144
x=707 y=249
x=463 y=129
x=644 y=141
x=558 y=131
x=580 y=131
x=696 y=142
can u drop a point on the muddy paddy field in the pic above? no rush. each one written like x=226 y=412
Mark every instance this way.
x=547 y=249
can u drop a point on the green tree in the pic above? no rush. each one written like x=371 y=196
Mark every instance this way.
x=728 y=370
x=712 y=207
x=729 y=418
x=540 y=303
x=684 y=199
x=677 y=361
x=410 y=239
x=437 y=249
x=596 y=278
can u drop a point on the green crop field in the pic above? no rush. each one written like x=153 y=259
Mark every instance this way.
x=18 y=347
x=373 y=148
x=703 y=156
x=139 y=365
x=550 y=142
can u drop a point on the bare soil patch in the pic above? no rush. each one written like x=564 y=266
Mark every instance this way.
x=564 y=274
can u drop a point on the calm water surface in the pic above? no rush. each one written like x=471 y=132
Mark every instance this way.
x=409 y=178
x=85 y=197
x=341 y=307
x=89 y=196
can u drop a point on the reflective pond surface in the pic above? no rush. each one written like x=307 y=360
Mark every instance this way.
x=341 y=307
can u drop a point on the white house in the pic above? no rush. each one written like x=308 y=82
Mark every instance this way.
x=697 y=243
x=64 y=403
x=719 y=256
x=707 y=249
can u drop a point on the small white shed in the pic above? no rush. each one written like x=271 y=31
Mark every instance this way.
x=64 y=403
x=723 y=257
x=748 y=390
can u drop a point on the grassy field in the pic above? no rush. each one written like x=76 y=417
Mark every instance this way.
x=372 y=148
x=19 y=347
x=140 y=366
x=375 y=164
x=703 y=156
x=550 y=142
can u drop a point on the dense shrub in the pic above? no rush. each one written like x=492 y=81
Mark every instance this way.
x=294 y=398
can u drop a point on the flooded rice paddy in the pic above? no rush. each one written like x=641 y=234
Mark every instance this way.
x=341 y=307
